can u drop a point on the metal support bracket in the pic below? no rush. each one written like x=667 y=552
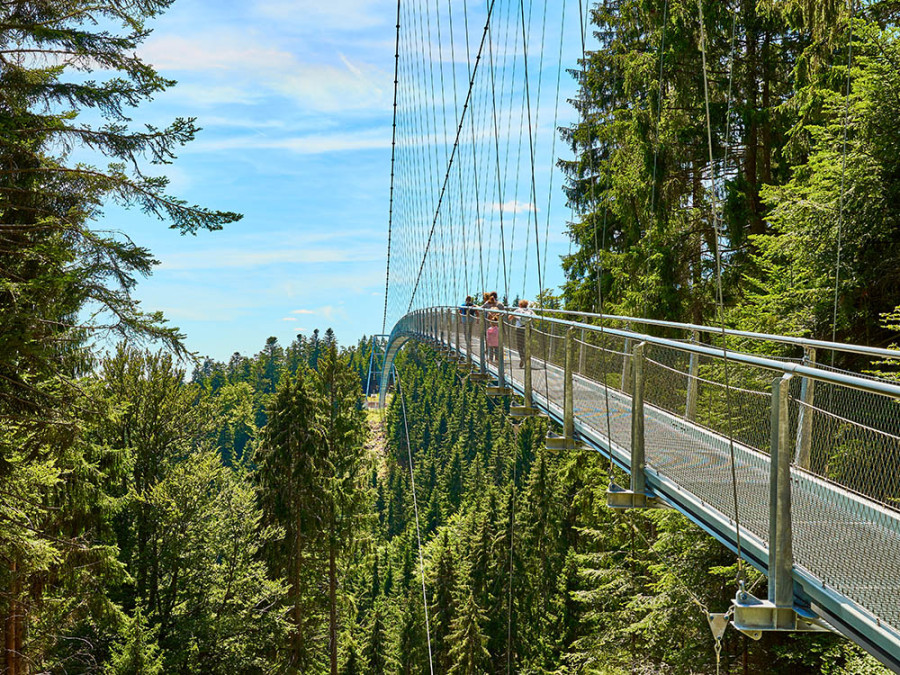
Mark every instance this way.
x=753 y=617
x=620 y=498
x=554 y=442
x=523 y=411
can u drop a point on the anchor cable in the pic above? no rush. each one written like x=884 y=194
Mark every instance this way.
x=412 y=482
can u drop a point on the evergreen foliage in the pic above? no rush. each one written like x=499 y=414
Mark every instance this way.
x=797 y=168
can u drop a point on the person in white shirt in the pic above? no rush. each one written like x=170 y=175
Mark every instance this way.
x=523 y=315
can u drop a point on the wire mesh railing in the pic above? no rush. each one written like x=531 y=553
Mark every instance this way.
x=844 y=430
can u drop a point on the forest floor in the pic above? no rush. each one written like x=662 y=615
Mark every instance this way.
x=376 y=444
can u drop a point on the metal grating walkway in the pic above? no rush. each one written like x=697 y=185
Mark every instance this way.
x=846 y=545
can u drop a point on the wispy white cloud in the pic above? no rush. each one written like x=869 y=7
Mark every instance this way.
x=254 y=70
x=238 y=257
x=513 y=206
x=302 y=311
x=312 y=144
x=289 y=318
x=330 y=312
x=215 y=50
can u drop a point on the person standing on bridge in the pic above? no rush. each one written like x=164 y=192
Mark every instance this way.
x=523 y=314
x=492 y=336
x=490 y=301
x=467 y=309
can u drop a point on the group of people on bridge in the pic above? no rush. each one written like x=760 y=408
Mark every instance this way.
x=493 y=312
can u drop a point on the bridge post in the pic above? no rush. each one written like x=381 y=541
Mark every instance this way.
x=569 y=394
x=469 y=320
x=447 y=324
x=527 y=408
x=781 y=556
x=438 y=327
x=778 y=613
x=638 y=480
x=482 y=373
x=637 y=497
x=693 y=385
x=567 y=440
x=457 y=344
x=501 y=348
x=804 y=417
x=527 y=383
x=482 y=341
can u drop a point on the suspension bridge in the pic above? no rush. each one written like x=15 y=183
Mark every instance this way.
x=790 y=462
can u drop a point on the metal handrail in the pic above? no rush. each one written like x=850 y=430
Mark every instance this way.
x=880 y=387
x=783 y=339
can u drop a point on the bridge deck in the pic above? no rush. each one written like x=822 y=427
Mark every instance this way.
x=842 y=540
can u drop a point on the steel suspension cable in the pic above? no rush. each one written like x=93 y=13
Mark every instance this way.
x=440 y=46
x=553 y=144
x=471 y=75
x=412 y=482
x=497 y=155
x=462 y=211
x=387 y=274
x=720 y=301
x=453 y=152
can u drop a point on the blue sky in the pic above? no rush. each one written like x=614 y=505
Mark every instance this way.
x=295 y=101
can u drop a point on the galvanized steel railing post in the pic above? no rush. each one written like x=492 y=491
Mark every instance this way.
x=501 y=347
x=781 y=555
x=638 y=479
x=469 y=341
x=804 y=416
x=481 y=346
x=693 y=384
x=457 y=343
x=569 y=389
x=527 y=377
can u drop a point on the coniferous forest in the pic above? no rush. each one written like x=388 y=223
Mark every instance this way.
x=161 y=513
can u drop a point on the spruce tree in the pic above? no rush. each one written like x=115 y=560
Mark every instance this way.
x=293 y=479
x=376 y=647
x=138 y=654
x=346 y=496
x=443 y=607
x=468 y=653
